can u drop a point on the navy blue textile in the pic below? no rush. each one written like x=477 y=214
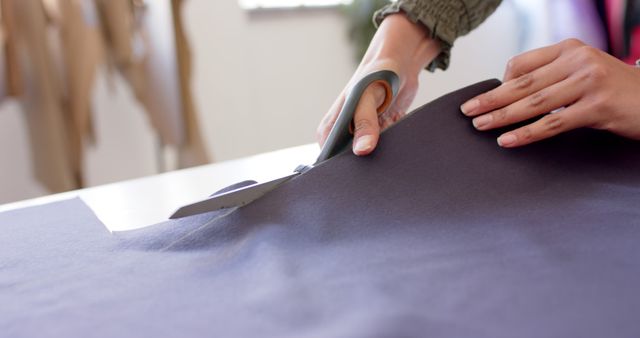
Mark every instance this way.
x=440 y=233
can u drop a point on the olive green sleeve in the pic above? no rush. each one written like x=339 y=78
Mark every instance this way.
x=445 y=19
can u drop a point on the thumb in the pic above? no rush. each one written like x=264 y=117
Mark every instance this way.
x=367 y=129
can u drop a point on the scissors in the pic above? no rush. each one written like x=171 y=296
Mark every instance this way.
x=339 y=138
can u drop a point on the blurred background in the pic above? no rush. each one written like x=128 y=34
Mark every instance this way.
x=98 y=91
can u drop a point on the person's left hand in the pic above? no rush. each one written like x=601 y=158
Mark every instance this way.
x=595 y=89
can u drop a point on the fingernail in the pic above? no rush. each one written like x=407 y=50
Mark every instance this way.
x=469 y=106
x=507 y=140
x=363 y=144
x=482 y=121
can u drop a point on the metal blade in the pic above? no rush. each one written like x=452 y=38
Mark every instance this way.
x=230 y=199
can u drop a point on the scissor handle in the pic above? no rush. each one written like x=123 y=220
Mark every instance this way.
x=341 y=133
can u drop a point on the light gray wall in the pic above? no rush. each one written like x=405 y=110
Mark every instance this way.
x=261 y=82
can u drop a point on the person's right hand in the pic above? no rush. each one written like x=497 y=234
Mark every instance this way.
x=401 y=46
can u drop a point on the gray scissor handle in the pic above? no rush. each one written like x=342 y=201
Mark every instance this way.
x=340 y=134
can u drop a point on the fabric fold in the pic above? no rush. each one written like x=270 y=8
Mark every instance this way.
x=439 y=231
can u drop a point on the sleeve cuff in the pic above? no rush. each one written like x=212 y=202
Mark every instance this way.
x=445 y=20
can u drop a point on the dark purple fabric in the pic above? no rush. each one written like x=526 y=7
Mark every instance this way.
x=440 y=233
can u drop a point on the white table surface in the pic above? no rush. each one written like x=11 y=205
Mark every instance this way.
x=149 y=200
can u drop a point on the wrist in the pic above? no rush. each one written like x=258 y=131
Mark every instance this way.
x=402 y=44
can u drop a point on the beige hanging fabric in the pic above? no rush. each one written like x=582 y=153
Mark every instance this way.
x=82 y=48
x=192 y=151
x=3 y=62
x=49 y=125
x=132 y=55
x=11 y=70
x=51 y=51
x=151 y=55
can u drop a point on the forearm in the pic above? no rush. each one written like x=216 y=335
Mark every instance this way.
x=402 y=45
x=445 y=20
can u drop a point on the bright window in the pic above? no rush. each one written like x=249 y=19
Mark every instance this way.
x=253 y=4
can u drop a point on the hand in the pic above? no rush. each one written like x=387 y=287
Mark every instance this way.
x=589 y=87
x=400 y=46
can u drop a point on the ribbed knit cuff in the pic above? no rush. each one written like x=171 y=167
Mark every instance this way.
x=445 y=20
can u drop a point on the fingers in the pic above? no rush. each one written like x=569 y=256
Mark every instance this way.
x=367 y=123
x=536 y=82
x=534 y=59
x=389 y=118
x=515 y=89
x=540 y=102
x=367 y=128
x=329 y=120
x=398 y=108
x=526 y=73
x=575 y=116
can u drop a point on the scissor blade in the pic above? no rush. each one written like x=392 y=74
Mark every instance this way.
x=230 y=199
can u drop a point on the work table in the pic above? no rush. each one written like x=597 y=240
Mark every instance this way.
x=148 y=200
